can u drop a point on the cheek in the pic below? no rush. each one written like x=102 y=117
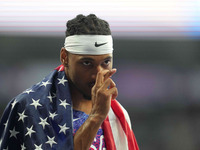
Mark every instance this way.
x=78 y=75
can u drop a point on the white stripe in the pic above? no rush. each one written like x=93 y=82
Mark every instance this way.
x=118 y=132
x=126 y=115
x=60 y=68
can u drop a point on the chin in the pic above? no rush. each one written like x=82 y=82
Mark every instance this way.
x=87 y=94
x=87 y=97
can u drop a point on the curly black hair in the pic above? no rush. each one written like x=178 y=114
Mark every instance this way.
x=90 y=24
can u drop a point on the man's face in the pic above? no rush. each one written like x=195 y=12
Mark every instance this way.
x=81 y=71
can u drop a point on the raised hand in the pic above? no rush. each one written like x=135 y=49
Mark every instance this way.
x=103 y=92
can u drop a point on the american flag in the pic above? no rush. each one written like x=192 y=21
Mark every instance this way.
x=41 y=118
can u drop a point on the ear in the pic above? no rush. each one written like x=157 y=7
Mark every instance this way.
x=63 y=56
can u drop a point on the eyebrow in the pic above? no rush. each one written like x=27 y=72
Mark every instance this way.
x=91 y=59
x=87 y=58
x=109 y=57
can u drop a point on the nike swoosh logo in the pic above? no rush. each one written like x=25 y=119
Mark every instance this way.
x=97 y=45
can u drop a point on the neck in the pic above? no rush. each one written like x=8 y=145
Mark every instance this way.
x=79 y=102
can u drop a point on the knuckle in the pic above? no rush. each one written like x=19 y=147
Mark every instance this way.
x=109 y=80
x=105 y=94
x=113 y=85
x=99 y=73
x=102 y=93
x=99 y=92
x=115 y=88
x=96 y=87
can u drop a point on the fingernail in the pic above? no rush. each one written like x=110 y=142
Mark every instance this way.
x=114 y=69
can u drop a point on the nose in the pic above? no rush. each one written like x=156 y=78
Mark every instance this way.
x=96 y=70
x=99 y=68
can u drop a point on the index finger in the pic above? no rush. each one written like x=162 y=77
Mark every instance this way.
x=108 y=75
x=100 y=77
x=103 y=75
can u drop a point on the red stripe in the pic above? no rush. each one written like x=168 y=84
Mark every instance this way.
x=60 y=68
x=109 y=140
x=132 y=143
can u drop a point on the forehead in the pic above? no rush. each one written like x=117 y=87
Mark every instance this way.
x=92 y=57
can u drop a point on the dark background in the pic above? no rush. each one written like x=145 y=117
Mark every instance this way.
x=158 y=81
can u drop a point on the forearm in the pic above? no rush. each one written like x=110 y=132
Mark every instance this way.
x=101 y=100
x=87 y=132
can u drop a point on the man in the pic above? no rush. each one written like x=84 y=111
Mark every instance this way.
x=74 y=107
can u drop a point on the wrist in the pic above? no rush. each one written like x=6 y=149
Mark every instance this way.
x=97 y=119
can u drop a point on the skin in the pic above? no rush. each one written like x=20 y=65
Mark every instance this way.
x=89 y=79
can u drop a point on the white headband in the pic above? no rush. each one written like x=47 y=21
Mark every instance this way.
x=89 y=44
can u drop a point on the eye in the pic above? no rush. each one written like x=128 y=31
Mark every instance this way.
x=87 y=63
x=107 y=62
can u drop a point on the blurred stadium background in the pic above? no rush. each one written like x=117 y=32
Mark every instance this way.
x=157 y=54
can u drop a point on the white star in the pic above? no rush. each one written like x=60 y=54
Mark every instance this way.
x=22 y=116
x=62 y=81
x=13 y=133
x=35 y=103
x=23 y=147
x=38 y=147
x=13 y=103
x=30 y=131
x=54 y=95
x=50 y=97
x=28 y=91
x=43 y=122
x=45 y=83
x=52 y=115
x=63 y=128
x=51 y=141
x=63 y=103
x=75 y=119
